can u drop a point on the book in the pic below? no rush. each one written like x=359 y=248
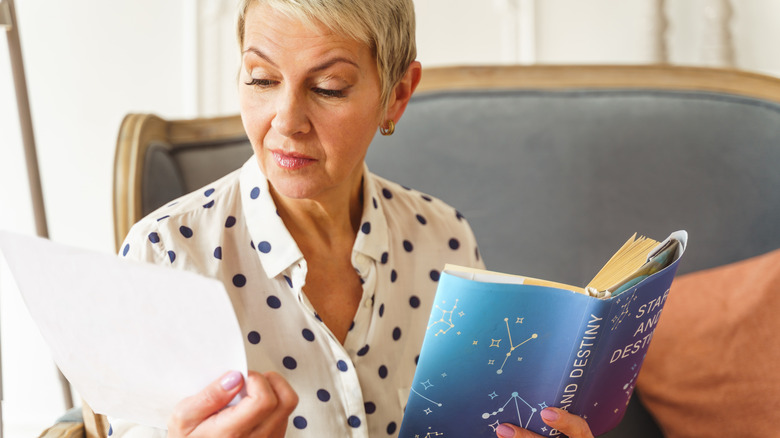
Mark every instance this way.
x=500 y=348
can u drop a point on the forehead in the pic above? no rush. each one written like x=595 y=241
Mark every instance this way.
x=284 y=30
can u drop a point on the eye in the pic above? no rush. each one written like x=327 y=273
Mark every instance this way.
x=260 y=82
x=328 y=93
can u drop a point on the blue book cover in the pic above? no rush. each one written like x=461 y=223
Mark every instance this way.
x=497 y=351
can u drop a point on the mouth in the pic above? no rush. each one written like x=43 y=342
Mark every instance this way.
x=291 y=160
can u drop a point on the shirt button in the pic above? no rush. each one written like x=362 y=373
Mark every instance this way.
x=367 y=303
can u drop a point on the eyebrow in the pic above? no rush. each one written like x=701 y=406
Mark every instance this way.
x=325 y=65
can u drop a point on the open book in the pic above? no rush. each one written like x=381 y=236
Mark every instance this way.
x=500 y=348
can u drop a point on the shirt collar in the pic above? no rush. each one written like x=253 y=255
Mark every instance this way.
x=372 y=237
x=271 y=239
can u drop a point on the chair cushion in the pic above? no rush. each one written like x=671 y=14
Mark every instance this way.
x=711 y=368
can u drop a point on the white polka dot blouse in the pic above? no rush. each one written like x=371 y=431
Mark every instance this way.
x=230 y=230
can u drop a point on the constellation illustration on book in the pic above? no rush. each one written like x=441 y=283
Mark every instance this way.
x=430 y=434
x=512 y=347
x=519 y=405
x=444 y=324
x=624 y=312
x=629 y=387
x=425 y=385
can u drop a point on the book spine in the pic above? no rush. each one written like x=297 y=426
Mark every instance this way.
x=581 y=359
x=617 y=360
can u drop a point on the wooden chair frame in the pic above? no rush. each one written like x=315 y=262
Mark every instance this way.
x=136 y=133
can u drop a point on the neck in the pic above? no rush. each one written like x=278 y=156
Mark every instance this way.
x=326 y=220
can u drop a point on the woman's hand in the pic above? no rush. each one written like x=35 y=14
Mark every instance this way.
x=262 y=412
x=566 y=423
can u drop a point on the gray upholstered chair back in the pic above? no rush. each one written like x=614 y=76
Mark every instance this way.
x=553 y=180
x=158 y=160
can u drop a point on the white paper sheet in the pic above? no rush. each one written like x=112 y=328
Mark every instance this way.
x=133 y=339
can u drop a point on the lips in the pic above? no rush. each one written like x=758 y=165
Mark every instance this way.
x=291 y=160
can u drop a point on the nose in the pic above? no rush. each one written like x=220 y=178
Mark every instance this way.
x=291 y=117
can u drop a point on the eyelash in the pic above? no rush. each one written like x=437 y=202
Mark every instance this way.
x=337 y=94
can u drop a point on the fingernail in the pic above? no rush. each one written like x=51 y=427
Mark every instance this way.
x=505 y=431
x=550 y=415
x=231 y=380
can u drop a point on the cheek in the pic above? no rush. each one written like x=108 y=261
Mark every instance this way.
x=254 y=118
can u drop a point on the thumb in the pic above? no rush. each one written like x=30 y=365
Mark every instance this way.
x=191 y=411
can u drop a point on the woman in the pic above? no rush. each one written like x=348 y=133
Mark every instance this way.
x=331 y=269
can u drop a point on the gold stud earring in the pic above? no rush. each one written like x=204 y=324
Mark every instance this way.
x=389 y=129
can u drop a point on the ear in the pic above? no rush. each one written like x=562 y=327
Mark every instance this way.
x=403 y=91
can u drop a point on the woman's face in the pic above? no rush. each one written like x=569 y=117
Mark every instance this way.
x=310 y=103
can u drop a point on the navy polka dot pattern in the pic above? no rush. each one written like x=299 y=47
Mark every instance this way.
x=239 y=280
x=273 y=302
x=353 y=421
x=264 y=247
x=323 y=395
x=232 y=230
x=300 y=422
x=290 y=363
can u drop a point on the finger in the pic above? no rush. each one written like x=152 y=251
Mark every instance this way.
x=192 y=411
x=258 y=403
x=507 y=430
x=567 y=423
x=276 y=422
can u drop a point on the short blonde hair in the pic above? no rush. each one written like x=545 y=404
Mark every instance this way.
x=386 y=26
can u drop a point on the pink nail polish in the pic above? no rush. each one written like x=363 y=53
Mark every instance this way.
x=549 y=415
x=505 y=431
x=231 y=380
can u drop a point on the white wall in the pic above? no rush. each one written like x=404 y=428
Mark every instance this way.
x=89 y=62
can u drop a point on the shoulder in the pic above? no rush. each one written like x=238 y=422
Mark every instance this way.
x=207 y=210
x=425 y=221
x=407 y=205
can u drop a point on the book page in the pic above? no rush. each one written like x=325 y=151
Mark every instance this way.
x=133 y=339
x=485 y=276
